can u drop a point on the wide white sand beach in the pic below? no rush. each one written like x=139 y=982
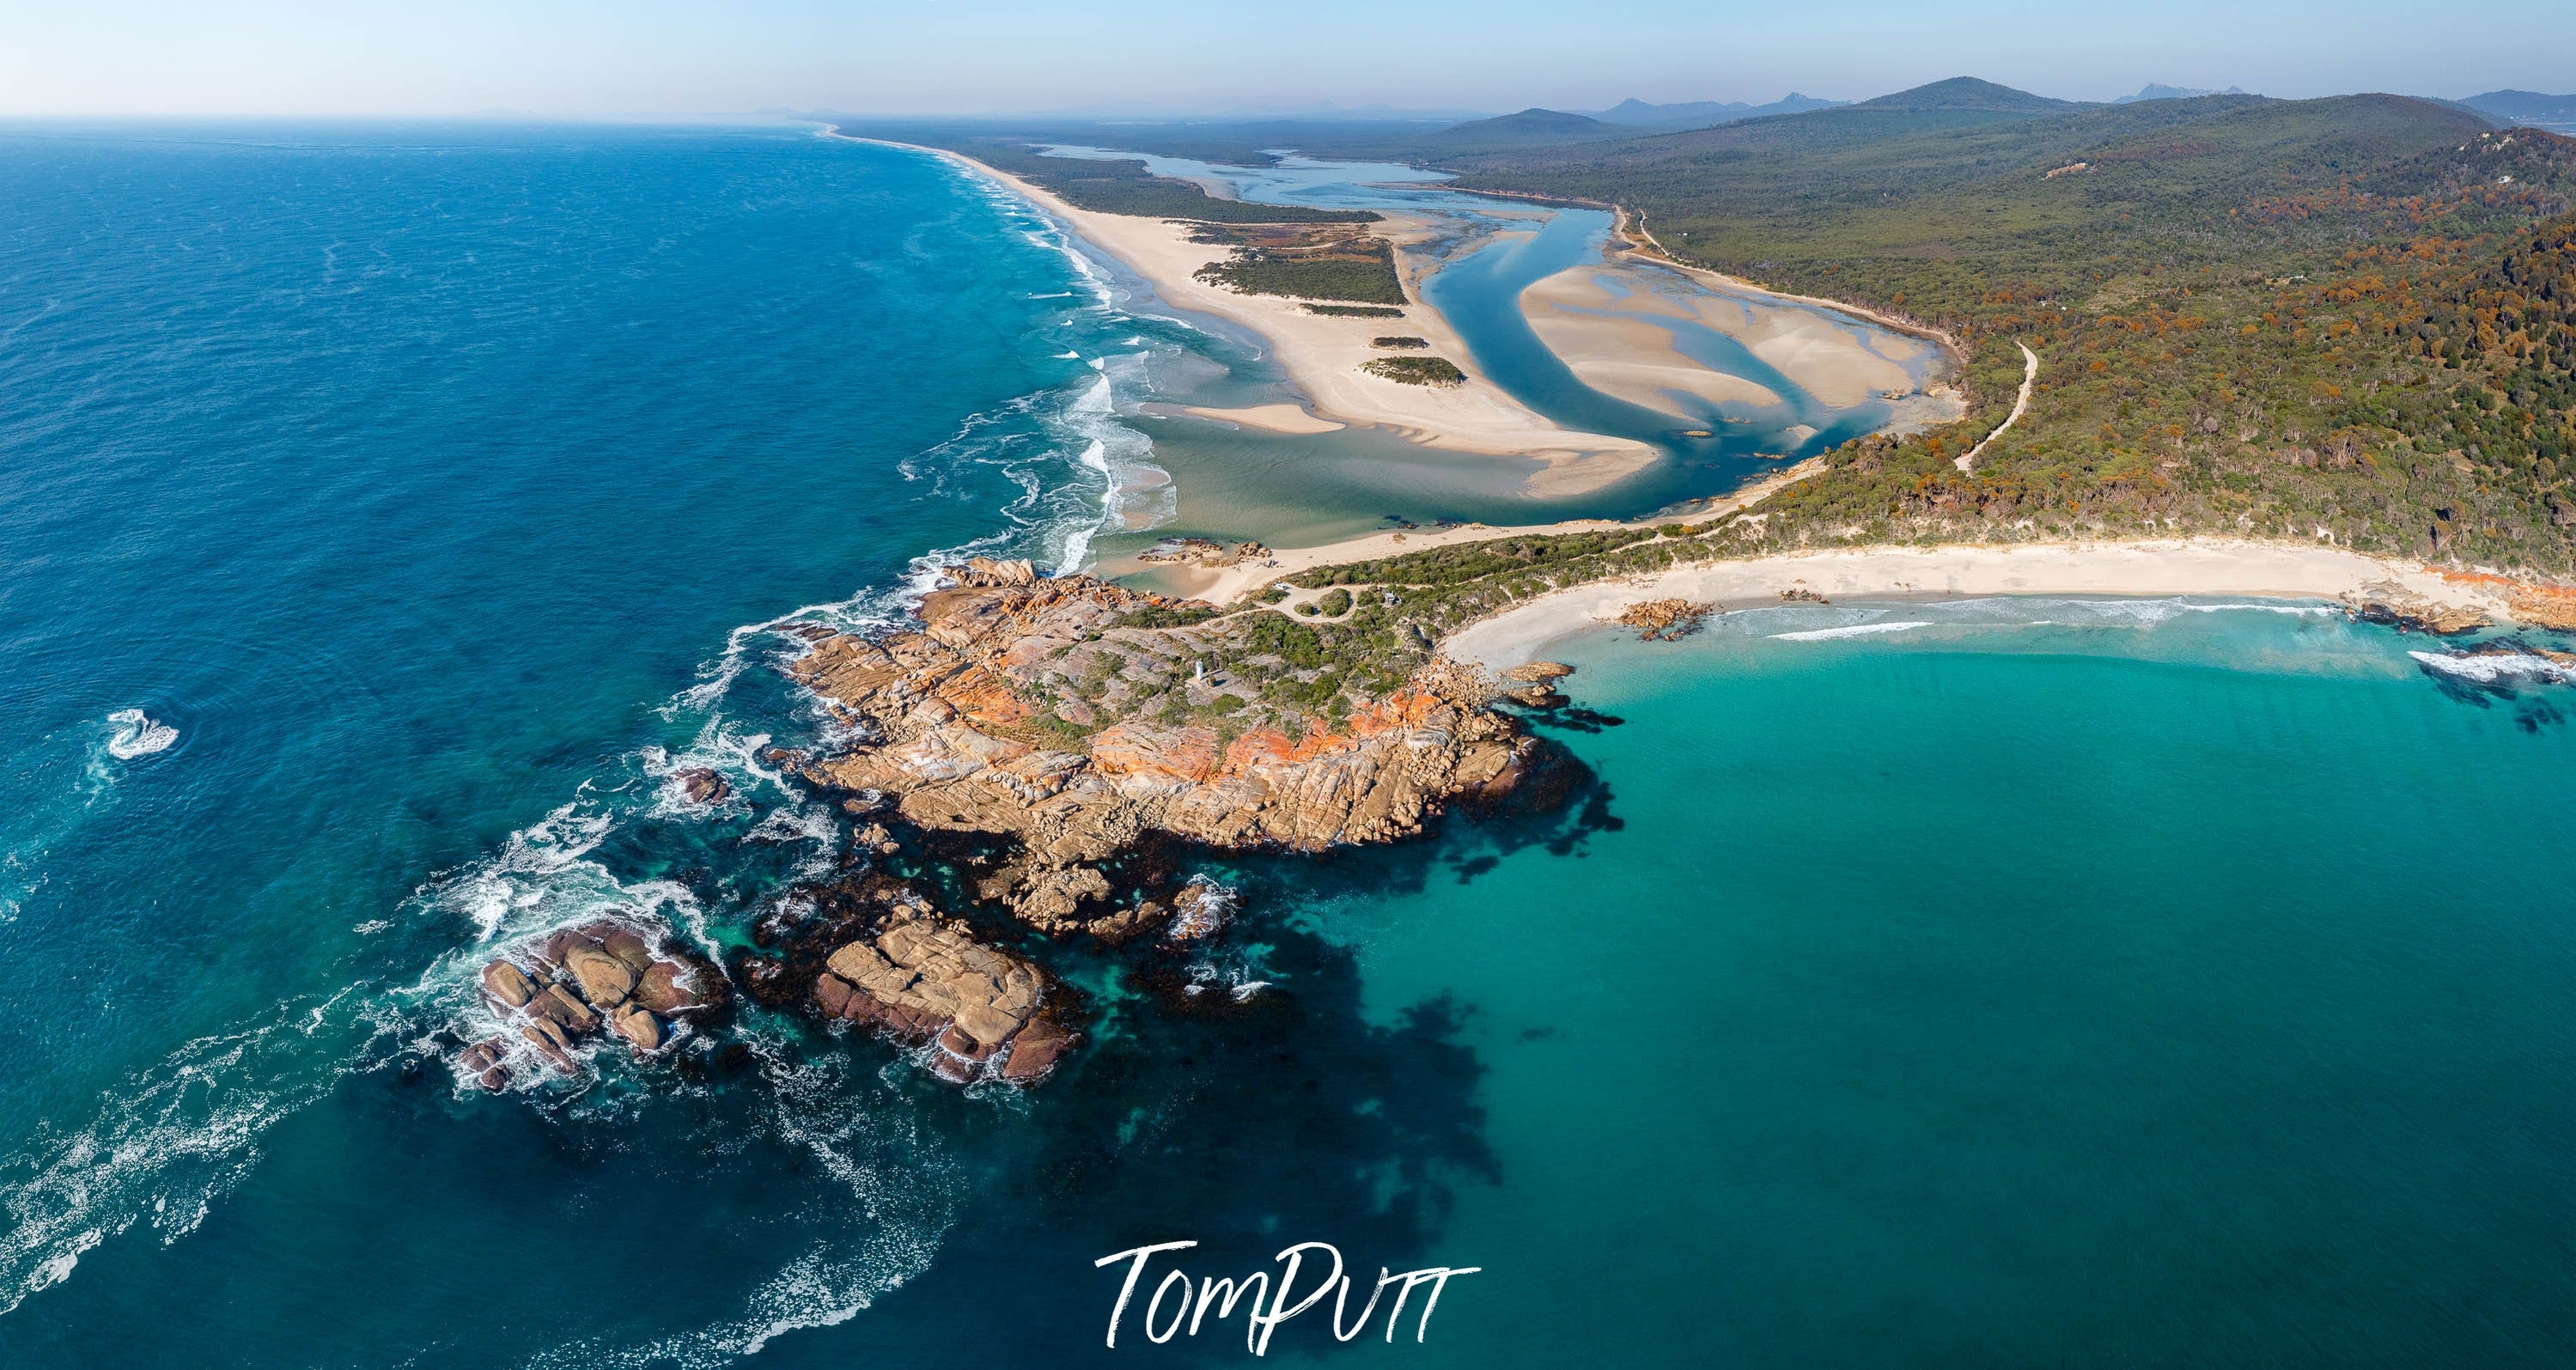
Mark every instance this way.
x=1322 y=355
x=2187 y=566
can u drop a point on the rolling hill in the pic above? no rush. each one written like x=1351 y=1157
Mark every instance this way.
x=1529 y=128
x=2526 y=107
x=2348 y=318
x=1705 y=113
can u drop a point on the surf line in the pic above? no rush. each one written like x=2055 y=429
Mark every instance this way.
x=1259 y=1321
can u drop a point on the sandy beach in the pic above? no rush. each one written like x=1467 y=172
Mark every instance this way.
x=1322 y=355
x=1604 y=320
x=2194 y=566
x=1269 y=418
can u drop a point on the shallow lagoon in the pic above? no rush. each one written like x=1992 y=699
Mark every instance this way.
x=1481 y=253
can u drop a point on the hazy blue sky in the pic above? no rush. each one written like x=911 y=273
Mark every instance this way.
x=657 y=57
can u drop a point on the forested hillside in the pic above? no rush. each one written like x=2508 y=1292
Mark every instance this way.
x=2344 y=318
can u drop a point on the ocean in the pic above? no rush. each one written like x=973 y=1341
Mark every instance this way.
x=392 y=509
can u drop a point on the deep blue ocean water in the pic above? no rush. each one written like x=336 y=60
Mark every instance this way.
x=2053 y=983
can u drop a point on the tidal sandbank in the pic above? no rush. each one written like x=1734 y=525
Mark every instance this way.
x=1322 y=355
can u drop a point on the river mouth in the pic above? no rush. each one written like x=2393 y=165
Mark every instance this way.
x=1724 y=382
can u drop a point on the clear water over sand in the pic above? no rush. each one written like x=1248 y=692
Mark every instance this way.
x=1480 y=254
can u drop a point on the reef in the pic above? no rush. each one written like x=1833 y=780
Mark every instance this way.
x=1664 y=620
x=1064 y=810
x=604 y=977
x=2408 y=612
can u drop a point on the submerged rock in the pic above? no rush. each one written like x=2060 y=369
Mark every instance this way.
x=2409 y=612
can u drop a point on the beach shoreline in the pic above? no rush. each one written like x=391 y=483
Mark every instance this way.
x=1321 y=355
x=2162 y=568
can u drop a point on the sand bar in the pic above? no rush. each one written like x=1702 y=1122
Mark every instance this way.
x=1624 y=351
x=1269 y=418
x=1322 y=355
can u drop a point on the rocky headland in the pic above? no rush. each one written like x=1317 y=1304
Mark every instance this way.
x=1040 y=753
x=1075 y=719
x=1039 y=757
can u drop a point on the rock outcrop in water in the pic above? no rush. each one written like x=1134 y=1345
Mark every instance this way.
x=872 y=950
x=1664 y=620
x=969 y=730
x=2408 y=612
x=578 y=982
x=928 y=979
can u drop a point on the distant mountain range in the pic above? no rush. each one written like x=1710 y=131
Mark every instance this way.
x=1533 y=128
x=2525 y=107
x=1703 y=113
x=1645 y=133
x=1966 y=95
x=1959 y=100
x=2152 y=91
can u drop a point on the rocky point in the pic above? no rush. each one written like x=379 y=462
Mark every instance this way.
x=968 y=728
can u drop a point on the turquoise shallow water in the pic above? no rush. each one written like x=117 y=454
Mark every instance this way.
x=2051 y=982
x=2152 y=986
x=1483 y=252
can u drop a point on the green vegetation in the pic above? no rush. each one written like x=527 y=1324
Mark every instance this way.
x=1111 y=187
x=2308 y=319
x=1403 y=343
x=2342 y=318
x=1314 y=263
x=1416 y=370
x=1335 y=603
x=1354 y=311
x=1180 y=615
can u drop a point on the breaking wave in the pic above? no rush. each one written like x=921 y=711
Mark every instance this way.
x=169 y=1141
x=2489 y=668
x=1848 y=630
x=138 y=734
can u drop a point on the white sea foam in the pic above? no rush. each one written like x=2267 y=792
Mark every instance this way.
x=513 y=878
x=2297 y=610
x=137 y=734
x=166 y=1143
x=1849 y=630
x=1212 y=907
x=896 y=1198
x=2487 y=668
x=2150 y=612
